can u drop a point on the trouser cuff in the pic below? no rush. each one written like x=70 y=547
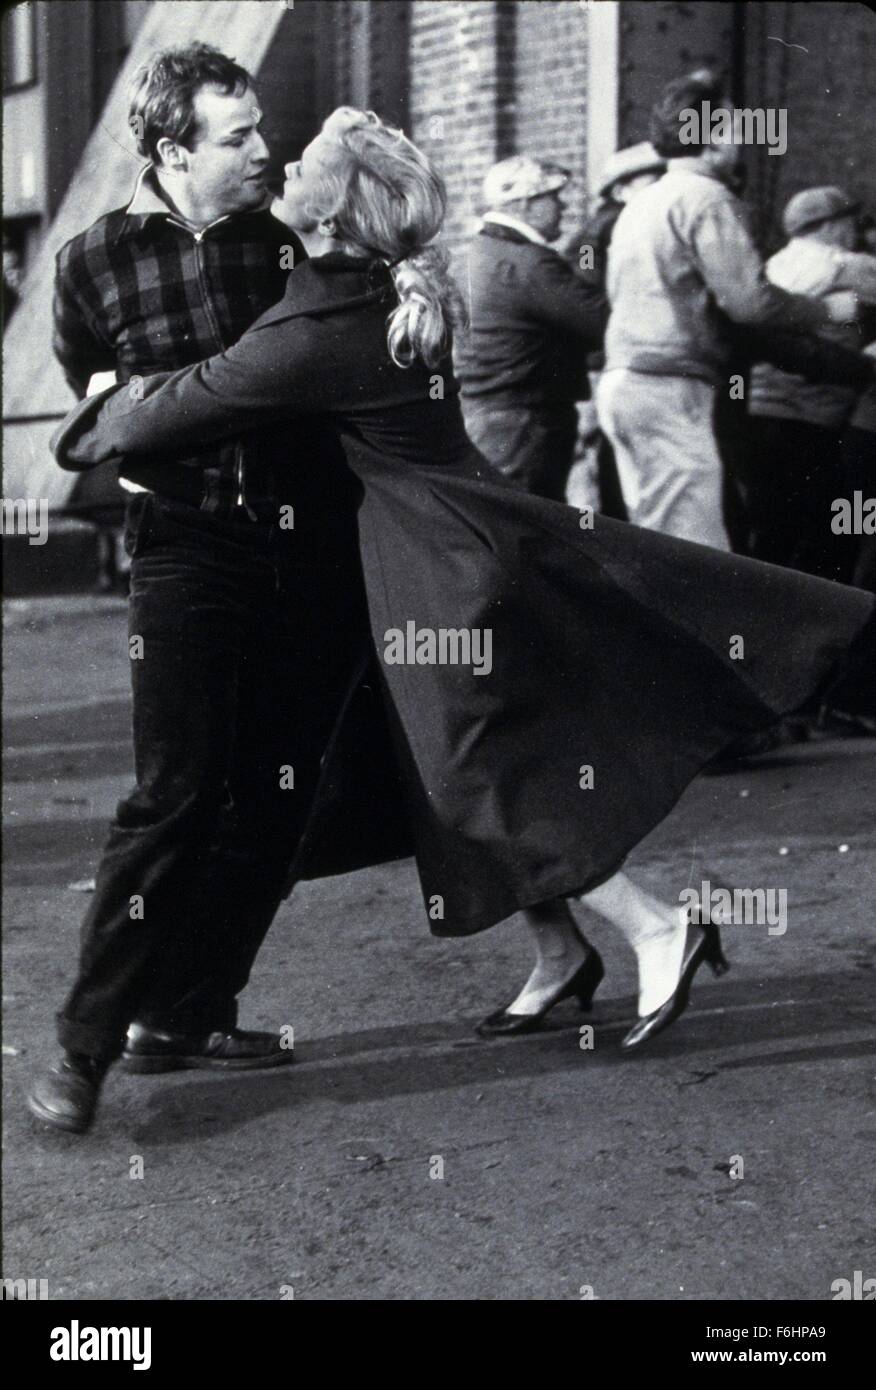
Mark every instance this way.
x=191 y=1023
x=93 y=1042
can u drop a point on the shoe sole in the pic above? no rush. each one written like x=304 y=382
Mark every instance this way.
x=150 y=1066
x=517 y=1030
x=536 y=1025
x=49 y=1117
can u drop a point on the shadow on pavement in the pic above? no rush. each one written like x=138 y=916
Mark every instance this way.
x=433 y=1056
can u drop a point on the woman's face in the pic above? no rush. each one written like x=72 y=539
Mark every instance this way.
x=294 y=207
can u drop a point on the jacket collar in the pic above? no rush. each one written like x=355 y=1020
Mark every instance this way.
x=514 y=224
x=689 y=164
x=500 y=232
x=147 y=197
x=148 y=202
x=332 y=284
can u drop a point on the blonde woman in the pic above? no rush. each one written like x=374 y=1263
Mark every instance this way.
x=590 y=672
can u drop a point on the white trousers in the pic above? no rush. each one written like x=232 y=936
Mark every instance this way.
x=667 y=459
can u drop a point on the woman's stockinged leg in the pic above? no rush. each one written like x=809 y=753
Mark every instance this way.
x=566 y=965
x=655 y=930
x=560 y=950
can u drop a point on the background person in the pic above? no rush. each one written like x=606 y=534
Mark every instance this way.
x=678 y=255
x=625 y=173
x=797 y=427
x=532 y=323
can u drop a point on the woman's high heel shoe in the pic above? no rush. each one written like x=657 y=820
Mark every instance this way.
x=583 y=986
x=703 y=943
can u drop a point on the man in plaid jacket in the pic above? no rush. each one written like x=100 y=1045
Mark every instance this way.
x=246 y=605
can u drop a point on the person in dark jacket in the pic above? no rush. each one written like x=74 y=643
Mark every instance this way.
x=225 y=539
x=533 y=321
x=511 y=641
x=797 y=428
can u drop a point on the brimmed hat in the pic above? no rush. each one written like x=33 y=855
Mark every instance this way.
x=816 y=205
x=625 y=164
x=522 y=176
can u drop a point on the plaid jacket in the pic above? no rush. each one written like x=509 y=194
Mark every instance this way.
x=138 y=292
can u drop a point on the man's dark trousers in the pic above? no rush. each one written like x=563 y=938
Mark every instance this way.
x=793 y=476
x=533 y=447
x=248 y=647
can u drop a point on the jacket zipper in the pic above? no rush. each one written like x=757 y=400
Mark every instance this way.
x=239 y=470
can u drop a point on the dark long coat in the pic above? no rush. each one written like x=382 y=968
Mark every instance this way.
x=623 y=661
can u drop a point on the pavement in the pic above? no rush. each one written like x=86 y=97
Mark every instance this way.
x=401 y=1157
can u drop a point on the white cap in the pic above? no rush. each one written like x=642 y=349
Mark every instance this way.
x=521 y=176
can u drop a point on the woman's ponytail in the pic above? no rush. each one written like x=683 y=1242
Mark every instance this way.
x=386 y=198
x=429 y=308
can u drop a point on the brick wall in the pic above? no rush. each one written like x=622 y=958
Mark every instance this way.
x=551 y=92
x=489 y=78
x=287 y=84
x=458 y=78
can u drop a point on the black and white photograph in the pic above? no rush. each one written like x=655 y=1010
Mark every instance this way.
x=439 y=670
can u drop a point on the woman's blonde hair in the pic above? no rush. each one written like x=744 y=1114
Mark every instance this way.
x=384 y=197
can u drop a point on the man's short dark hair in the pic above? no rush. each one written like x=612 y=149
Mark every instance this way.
x=682 y=94
x=162 y=103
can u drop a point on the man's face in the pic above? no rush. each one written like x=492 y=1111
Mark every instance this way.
x=295 y=207
x=545 y=214
x=225 y=168
x=725 y=153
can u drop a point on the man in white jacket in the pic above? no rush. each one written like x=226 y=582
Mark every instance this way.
x=679 y=254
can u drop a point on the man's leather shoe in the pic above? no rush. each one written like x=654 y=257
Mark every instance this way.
x=153 y=1050
x=66 y=1096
